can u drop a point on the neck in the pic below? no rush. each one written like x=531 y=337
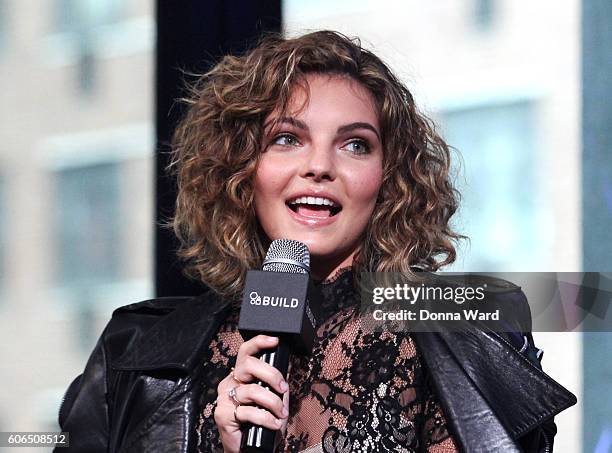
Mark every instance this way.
x=324 y=270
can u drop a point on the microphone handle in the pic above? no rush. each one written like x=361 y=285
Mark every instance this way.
x=255 y=438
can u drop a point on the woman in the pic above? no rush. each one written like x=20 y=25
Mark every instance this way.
x=312 y=139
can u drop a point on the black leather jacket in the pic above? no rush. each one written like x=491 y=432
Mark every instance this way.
x=140 y=388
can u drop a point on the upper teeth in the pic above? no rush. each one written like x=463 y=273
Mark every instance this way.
x=313 y=200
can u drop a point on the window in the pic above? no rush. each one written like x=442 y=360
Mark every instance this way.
x=83 y=32
x=484 y=14
x=82 y=21
x=101 y=235
x=79 y=16
x=501 y=211
x=87 y=225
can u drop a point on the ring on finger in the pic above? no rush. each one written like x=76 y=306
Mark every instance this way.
x=235 y=378
x=232 y=394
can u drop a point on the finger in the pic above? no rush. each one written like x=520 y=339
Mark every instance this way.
x=224 y=418
x=251 y=348
x=254 y=394
x=257 y=416
x=255 y=345
x=286 y=401
x=286 y=407
x=252 y=369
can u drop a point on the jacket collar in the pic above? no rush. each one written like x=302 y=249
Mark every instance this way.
x=175 y=340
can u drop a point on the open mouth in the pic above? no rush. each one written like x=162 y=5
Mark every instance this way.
x=314 y=207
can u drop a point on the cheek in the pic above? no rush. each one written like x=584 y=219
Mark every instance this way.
x=270 y=182
x=265 y=182
x=365 y=187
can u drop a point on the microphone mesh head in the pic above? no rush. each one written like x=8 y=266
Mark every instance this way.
x=287 y=255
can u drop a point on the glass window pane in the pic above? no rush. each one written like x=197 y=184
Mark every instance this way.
x=87 y=223
x=499 y=208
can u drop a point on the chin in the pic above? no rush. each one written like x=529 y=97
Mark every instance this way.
x=319 y=249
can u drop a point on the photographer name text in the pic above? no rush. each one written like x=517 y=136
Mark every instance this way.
x=428 y=315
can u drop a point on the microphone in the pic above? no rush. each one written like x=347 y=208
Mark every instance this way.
x=277 y=301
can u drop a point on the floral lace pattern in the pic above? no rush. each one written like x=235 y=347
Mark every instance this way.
x=360 y=390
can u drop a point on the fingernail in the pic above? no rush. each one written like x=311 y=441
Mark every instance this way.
x=284 y=386
x=285 y=411
x=271 y=339
x=278 y=421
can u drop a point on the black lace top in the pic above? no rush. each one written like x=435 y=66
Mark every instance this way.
x=361 y=389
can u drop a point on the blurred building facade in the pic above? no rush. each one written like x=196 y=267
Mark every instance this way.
x=76 y=188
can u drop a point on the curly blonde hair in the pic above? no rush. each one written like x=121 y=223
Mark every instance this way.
x=217 y=144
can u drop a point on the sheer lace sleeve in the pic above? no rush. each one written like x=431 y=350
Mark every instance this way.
x=217 y=364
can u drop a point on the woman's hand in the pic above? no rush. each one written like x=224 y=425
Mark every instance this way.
x=272 y=411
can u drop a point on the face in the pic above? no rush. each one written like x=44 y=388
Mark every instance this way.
x=321 y=169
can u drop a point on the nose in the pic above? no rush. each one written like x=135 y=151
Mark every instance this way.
x=319 y=164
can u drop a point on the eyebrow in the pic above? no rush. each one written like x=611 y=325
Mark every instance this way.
x=341 y=130
x=358 y=125
x=289 y=120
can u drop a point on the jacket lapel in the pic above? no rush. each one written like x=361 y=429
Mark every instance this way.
x=483 y=381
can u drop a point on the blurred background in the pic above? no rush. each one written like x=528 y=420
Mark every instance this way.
x=518 y=88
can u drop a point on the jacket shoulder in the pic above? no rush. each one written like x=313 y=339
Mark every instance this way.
x=138 y=317
x=152 y=333
x=157 y=306
x=504 y=295
x=163 y=334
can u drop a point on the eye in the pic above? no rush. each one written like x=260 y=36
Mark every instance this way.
x=285 y=140
x=358 y=146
